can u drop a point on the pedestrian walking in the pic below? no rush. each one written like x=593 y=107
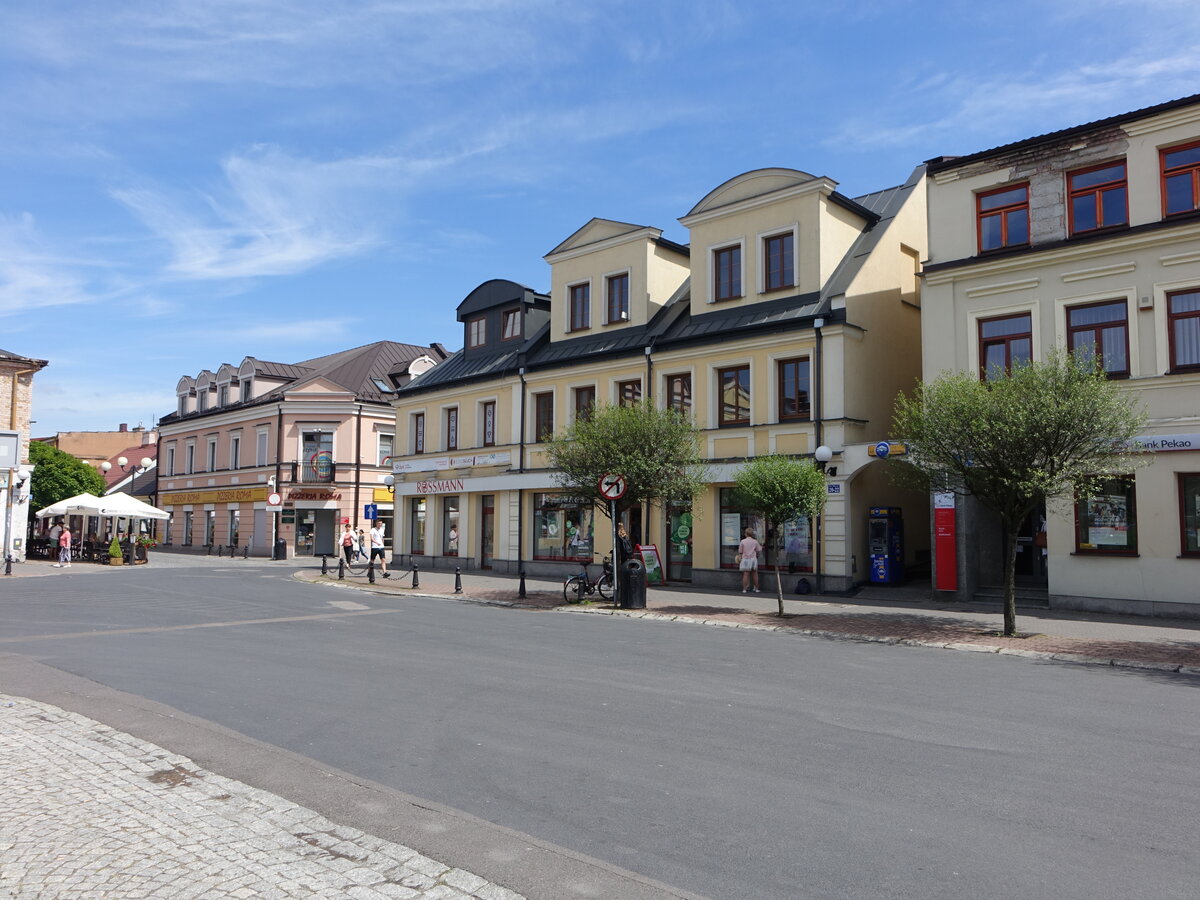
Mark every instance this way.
x=377 y=549
x=64 y=548
x=348 y=540
x=748 y=550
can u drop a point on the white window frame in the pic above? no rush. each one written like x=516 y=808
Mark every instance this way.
x=170 y=459
x=262 y=446
x=379 y=439
x=210 y=455
x=481 y=425
x=761 y=240
x=711 y=263
x=189 y=458
x=235 y=450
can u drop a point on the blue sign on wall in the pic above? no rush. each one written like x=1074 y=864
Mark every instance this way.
x=371 y=511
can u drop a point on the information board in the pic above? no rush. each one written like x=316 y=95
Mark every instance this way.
x=652 y=561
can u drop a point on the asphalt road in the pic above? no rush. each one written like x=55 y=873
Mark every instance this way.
x=724 y=762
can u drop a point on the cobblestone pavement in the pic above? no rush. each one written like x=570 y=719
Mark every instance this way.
x=89 y=812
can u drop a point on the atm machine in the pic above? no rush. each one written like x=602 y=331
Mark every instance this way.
x=885 y=543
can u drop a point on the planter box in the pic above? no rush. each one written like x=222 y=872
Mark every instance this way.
x=116 y=560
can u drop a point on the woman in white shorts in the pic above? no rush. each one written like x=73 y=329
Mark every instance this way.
x=748 y=550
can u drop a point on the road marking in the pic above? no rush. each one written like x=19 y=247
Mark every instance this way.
x=348 y=604
x=165 y=628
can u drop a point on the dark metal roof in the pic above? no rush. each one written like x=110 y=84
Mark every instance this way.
x=941 y=163
x=277 y=369
x=16 y=357
x=498 y=292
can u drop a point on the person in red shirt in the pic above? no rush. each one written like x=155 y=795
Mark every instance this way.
x=64 y=548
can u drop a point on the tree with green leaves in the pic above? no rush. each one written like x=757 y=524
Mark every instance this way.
x=780 y=488
x=656 y=450
x=58 y=475
x=1043 y=432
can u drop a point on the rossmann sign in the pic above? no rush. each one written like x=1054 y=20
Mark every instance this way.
x=1165 y=443
x=450 y=486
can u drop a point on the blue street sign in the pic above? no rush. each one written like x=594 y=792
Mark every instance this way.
x=882 y=449
x=371 y=511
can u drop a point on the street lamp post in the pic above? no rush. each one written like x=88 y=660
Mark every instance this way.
x=16 y=478
x=134 y=471
x=821 y=456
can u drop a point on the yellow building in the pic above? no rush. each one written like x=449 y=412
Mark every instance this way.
x=791 y=321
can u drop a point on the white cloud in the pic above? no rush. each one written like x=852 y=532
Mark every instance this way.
x=32 y=276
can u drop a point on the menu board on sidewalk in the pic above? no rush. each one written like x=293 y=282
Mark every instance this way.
x=652 y=561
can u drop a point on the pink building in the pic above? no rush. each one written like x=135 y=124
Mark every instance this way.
x=269 y=452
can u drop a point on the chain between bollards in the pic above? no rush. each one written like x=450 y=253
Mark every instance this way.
x=521 y=590
x=458 y=579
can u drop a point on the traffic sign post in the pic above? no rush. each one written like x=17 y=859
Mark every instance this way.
x=612 y=488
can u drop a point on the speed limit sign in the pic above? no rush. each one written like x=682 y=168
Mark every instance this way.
x=612 y=487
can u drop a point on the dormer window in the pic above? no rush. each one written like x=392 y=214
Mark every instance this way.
x=580 y=296
x=727 y=273
x=778 y=266
x=477 y=331
x=202 y=401
x=183 y=404
x=223 y=395
x=617 y=288
x=510 y=328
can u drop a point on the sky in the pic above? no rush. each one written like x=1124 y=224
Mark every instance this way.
x=185 y=184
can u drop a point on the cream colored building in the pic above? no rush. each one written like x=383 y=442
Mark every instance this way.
x=791 y=320
x=1086 y=238
x=267 y=451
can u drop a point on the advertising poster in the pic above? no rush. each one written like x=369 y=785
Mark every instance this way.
x=652 y=562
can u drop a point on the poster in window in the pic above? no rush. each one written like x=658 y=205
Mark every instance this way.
x=731 y=528
x=1108 y=517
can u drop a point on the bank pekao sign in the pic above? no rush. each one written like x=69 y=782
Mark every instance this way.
x=1166 y=443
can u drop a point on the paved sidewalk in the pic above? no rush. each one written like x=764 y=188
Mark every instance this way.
x=90 y=812
x=910 y=616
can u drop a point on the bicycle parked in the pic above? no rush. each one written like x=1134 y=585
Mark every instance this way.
x=577 y=587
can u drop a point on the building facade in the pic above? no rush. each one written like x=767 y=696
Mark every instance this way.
x=791 y=320
x=94 y=447
x=1086 y=239
x=16 y=404
x=266 y=452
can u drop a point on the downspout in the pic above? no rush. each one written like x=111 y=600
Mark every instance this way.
x=521 y=469
x=275 y=519
x=818 y=434
x=358 y=463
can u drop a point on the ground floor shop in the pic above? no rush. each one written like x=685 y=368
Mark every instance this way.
x=516 y=522
x=245 y=521
x=1131 y=547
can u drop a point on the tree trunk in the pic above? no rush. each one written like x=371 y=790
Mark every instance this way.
x=778 y=575
x=1010 y=580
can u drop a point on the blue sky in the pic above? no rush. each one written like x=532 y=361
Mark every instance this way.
x=185 y=184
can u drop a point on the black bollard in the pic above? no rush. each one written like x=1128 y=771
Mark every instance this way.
x=8 y=565
x=371 y=571
x=324 y=564
x=416 y=577
x=341 y=569
x=209 y=547
x=457 y=580
x=246 y=552
x=521 y=590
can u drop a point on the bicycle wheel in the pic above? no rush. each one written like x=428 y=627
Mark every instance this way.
x=605 y=586
x=574 y=589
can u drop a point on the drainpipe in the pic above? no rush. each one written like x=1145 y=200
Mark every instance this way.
x=521 y=469
x=278 y=476
x=358 y=463
x=818 y=433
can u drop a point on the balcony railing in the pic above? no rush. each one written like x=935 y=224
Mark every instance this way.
x=314 y=472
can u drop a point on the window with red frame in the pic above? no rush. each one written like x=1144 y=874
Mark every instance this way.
x=418 y=430
x=452 y=429
x=778 y=266
x=1106 y=521
x=489 y=423
x=1100 y=331
x=510 y=328
x=1181 y=179
x=476 y=332
x=1004 y=342
x=1003 y=217
x=1098 y=198
x=618 y=298
x=581 y=302
x=733 y=387
x=1183 y=329
x=727 y=273
x=629 y=392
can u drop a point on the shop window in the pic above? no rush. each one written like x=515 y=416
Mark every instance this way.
x=1100 y=331
x=1098 y=198
x=796 y=553
x=617 y=288
x=562 y=528
x=629 y=392
x=1106 y=521
x=416 y=526
x=793 y=389
x=235 y=521
x=733 y=392
x=679 y=393
x=1004 y=342
x=679 y=543
x=450 y=509
x=543 y=416
x=1003 y=217
x=1181 y=179
x=188 y=524
x=489 y=423
x=1183 y=329
x=778 y=265
x=1189 y=513
x=210 y=528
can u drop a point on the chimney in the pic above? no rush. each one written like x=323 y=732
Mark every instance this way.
x=124 y=426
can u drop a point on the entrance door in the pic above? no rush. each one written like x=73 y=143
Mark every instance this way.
x=679 y=543
x=1031 y=569
x=487 y=529
x=326 y=532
